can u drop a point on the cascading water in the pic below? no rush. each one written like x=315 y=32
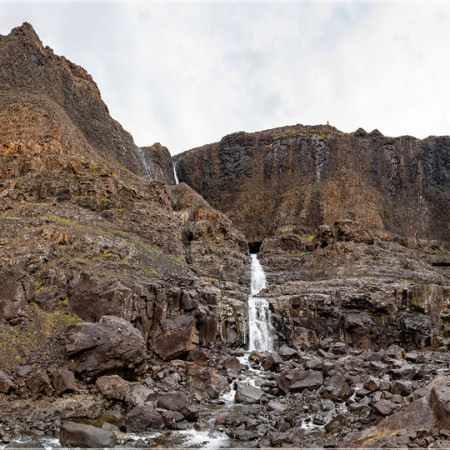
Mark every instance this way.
x=147 y=169
x=175 y=173
x=259 y=316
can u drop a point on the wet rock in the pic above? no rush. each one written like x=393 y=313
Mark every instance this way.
x=178 y=336
x=248 y=394
x=6 y=383
x=174 y=420
x=112 y=386
x=111 y=345
x=337 y=389
x=28 y=444
x=243 y=435
x=137 y=394
x=190 y=412
x=63 y=380
x=80 y=435
x=296 y=380
x=173 y=401
x=142 y=418
x=383 y=407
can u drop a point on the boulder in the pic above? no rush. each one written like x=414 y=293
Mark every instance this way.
x=178 y=336
x=80 y=435
x=190 y=412
x=337 y=389
x=142 y=418
x=173 y=401
x=296 y=380
x=39 y=382
x=137 y=394
x=248 y=394
x=6 y=383
x=440 y=401
x=28 y=444
x=232 y=363
x=63 y=380
x=112 y=345
x=112 y=386
x=271 y=362
x=383 y=407
x=287 y=352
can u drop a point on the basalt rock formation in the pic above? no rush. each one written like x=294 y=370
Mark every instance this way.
x=293 y=179
x=124 y=296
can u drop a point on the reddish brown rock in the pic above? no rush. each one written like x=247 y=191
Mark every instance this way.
x=112 y=345
x=142 y=418
x=113 y=386
x=6 y=383
x=296 y=380
x=63 y=380
x=17 y=289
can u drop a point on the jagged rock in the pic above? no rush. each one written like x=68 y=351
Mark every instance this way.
x=17 y=289
x=199 y=356
x=80 y=435
x=179 y=336
x=63 y=380
x=296 y=380
x=113 y=386
x=142 y=418
x=402 y=388
x=271 y=362
x=338 y=181
x=337 y=389
x=287 y=352
x=190 y=412
x=440 y=400
x=383 y=407
x=336 y=422
x=39 y=382
x=112 y=345
x=247 y=394
x=6 y=384
x=174 y=420
x=273 y=405
x=173 y=401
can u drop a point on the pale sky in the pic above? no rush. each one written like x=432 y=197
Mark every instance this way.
x=186 y=74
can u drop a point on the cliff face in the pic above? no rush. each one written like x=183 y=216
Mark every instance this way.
x=55 y=106
x=293 y=179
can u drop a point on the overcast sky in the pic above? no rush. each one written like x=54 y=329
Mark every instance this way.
x=186 y=74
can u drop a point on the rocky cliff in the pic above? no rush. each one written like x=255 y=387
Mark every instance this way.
x=48 y=103
x=297 y=178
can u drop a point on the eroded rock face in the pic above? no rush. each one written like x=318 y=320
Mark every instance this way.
x=299 y=177
x=160 y=161
x=111 y=345
x=55 y=106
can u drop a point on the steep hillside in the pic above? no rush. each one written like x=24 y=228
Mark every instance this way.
x=294 y=179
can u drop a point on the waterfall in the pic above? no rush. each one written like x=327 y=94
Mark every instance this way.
x=147 y=169
x=259 y=316
x=175 y=173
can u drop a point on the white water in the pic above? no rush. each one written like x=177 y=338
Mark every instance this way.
x=175 y=173
x=259 y=316
x=147 y=169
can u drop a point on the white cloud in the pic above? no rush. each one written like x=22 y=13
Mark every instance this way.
x=185 y=74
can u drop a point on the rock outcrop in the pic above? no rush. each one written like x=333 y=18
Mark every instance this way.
x=297 y=178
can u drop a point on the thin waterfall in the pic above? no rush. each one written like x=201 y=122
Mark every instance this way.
x=259 y=315
x=175 y=173
x=147 y=169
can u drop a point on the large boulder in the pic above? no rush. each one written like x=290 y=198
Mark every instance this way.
x=143 y=417
x=81 y=435
x=296 y=380
x=173 y=401
x=112 y=345
x=440 y=401
x=337 y=389
x=248 y=394
x=113 y=386
x=178 y=336
x=63 y=380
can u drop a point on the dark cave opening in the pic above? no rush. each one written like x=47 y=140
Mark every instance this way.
x=254 y=247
